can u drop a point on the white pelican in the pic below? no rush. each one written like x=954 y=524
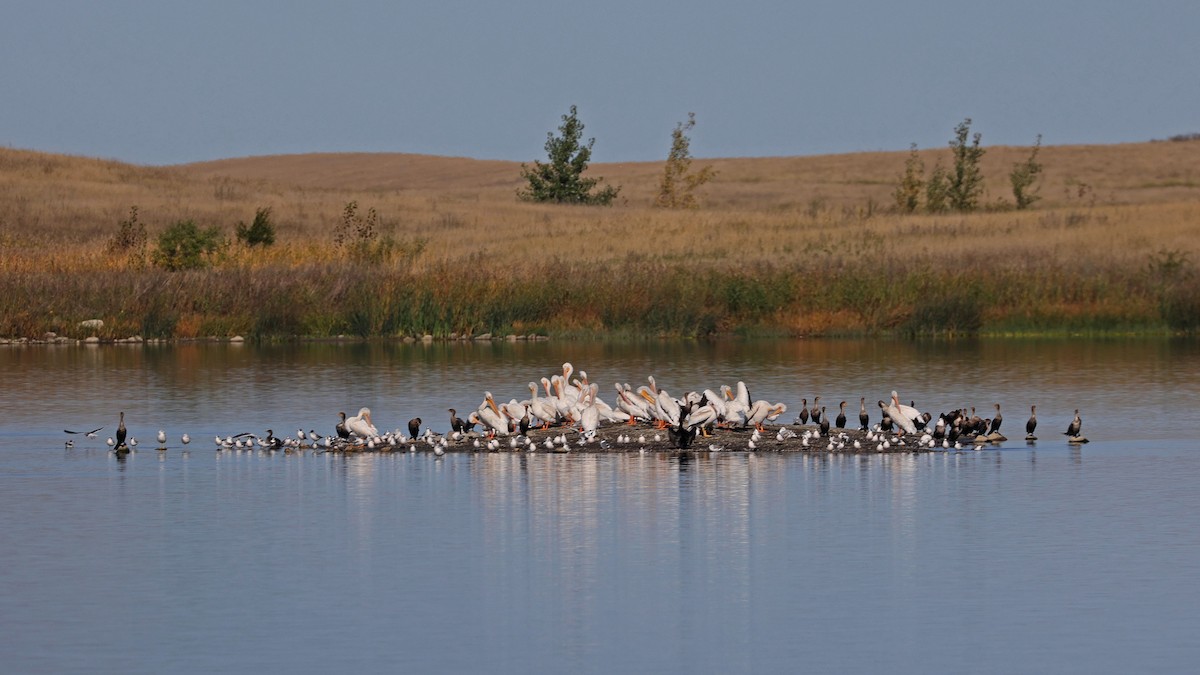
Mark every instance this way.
x=892 y=411
x=669 y=407
x=569 y=390
x=632 y=404
x=491 y=417
x=702 y=418
x=909 y=414
x=589 y=416
x=540 y=408
x=607 y=413
x=360 y=425
x=736 y=409
x=762 y=411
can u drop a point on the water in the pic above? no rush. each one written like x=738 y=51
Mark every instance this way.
x=1042 y=558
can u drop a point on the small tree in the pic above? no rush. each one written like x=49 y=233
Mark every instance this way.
x=966 y=180
x=261 y=231
x=908 y=193
x=561 y=180
x=1024 y=175
x=130 y=239
x=183 y=246
x=678 y=186
x=355 y=229
x=937 y=189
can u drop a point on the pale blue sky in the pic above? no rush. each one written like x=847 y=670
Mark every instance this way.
x=157 y=82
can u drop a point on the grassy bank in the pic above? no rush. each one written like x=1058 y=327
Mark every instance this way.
x=783 y=246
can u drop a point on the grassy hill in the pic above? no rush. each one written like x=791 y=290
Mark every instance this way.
x=789 y=245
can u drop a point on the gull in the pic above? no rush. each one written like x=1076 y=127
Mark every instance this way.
x=89 y=434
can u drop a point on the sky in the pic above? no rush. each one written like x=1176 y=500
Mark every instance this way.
x=158 y=82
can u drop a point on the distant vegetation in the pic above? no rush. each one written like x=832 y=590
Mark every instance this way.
x=782 y=246
x=561 y=180
x=961 y=187
x=677 y=189
x=259 y=233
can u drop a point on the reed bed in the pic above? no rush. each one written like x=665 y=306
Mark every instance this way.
x=782 y=246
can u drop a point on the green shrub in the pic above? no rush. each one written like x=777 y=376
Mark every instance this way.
x=950 y=312
x=561 y=179
x=966 y=179
x=908 y=192
x=1024 y=175
x=184 y=246
x=677 y=188
x=261 y=231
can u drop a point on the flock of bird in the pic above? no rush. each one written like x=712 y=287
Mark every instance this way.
x=571 y=409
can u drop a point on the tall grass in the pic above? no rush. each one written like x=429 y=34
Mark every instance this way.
x=784 y=246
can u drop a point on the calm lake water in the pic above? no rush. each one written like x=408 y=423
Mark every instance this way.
x=1027 y=558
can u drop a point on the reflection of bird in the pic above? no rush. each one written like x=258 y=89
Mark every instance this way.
x=89 y=434
x=1075 y=426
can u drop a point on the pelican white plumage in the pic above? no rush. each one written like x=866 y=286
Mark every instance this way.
x=762 y=411
x=669 y=407
x=360 y=425
x=897 y=414
x=589 y=416
x=491 y=416
x=632 y=404
x=702 y=417
x=736 y=410
x=540 y=408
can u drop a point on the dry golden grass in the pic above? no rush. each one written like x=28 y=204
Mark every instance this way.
x=1105 y=211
